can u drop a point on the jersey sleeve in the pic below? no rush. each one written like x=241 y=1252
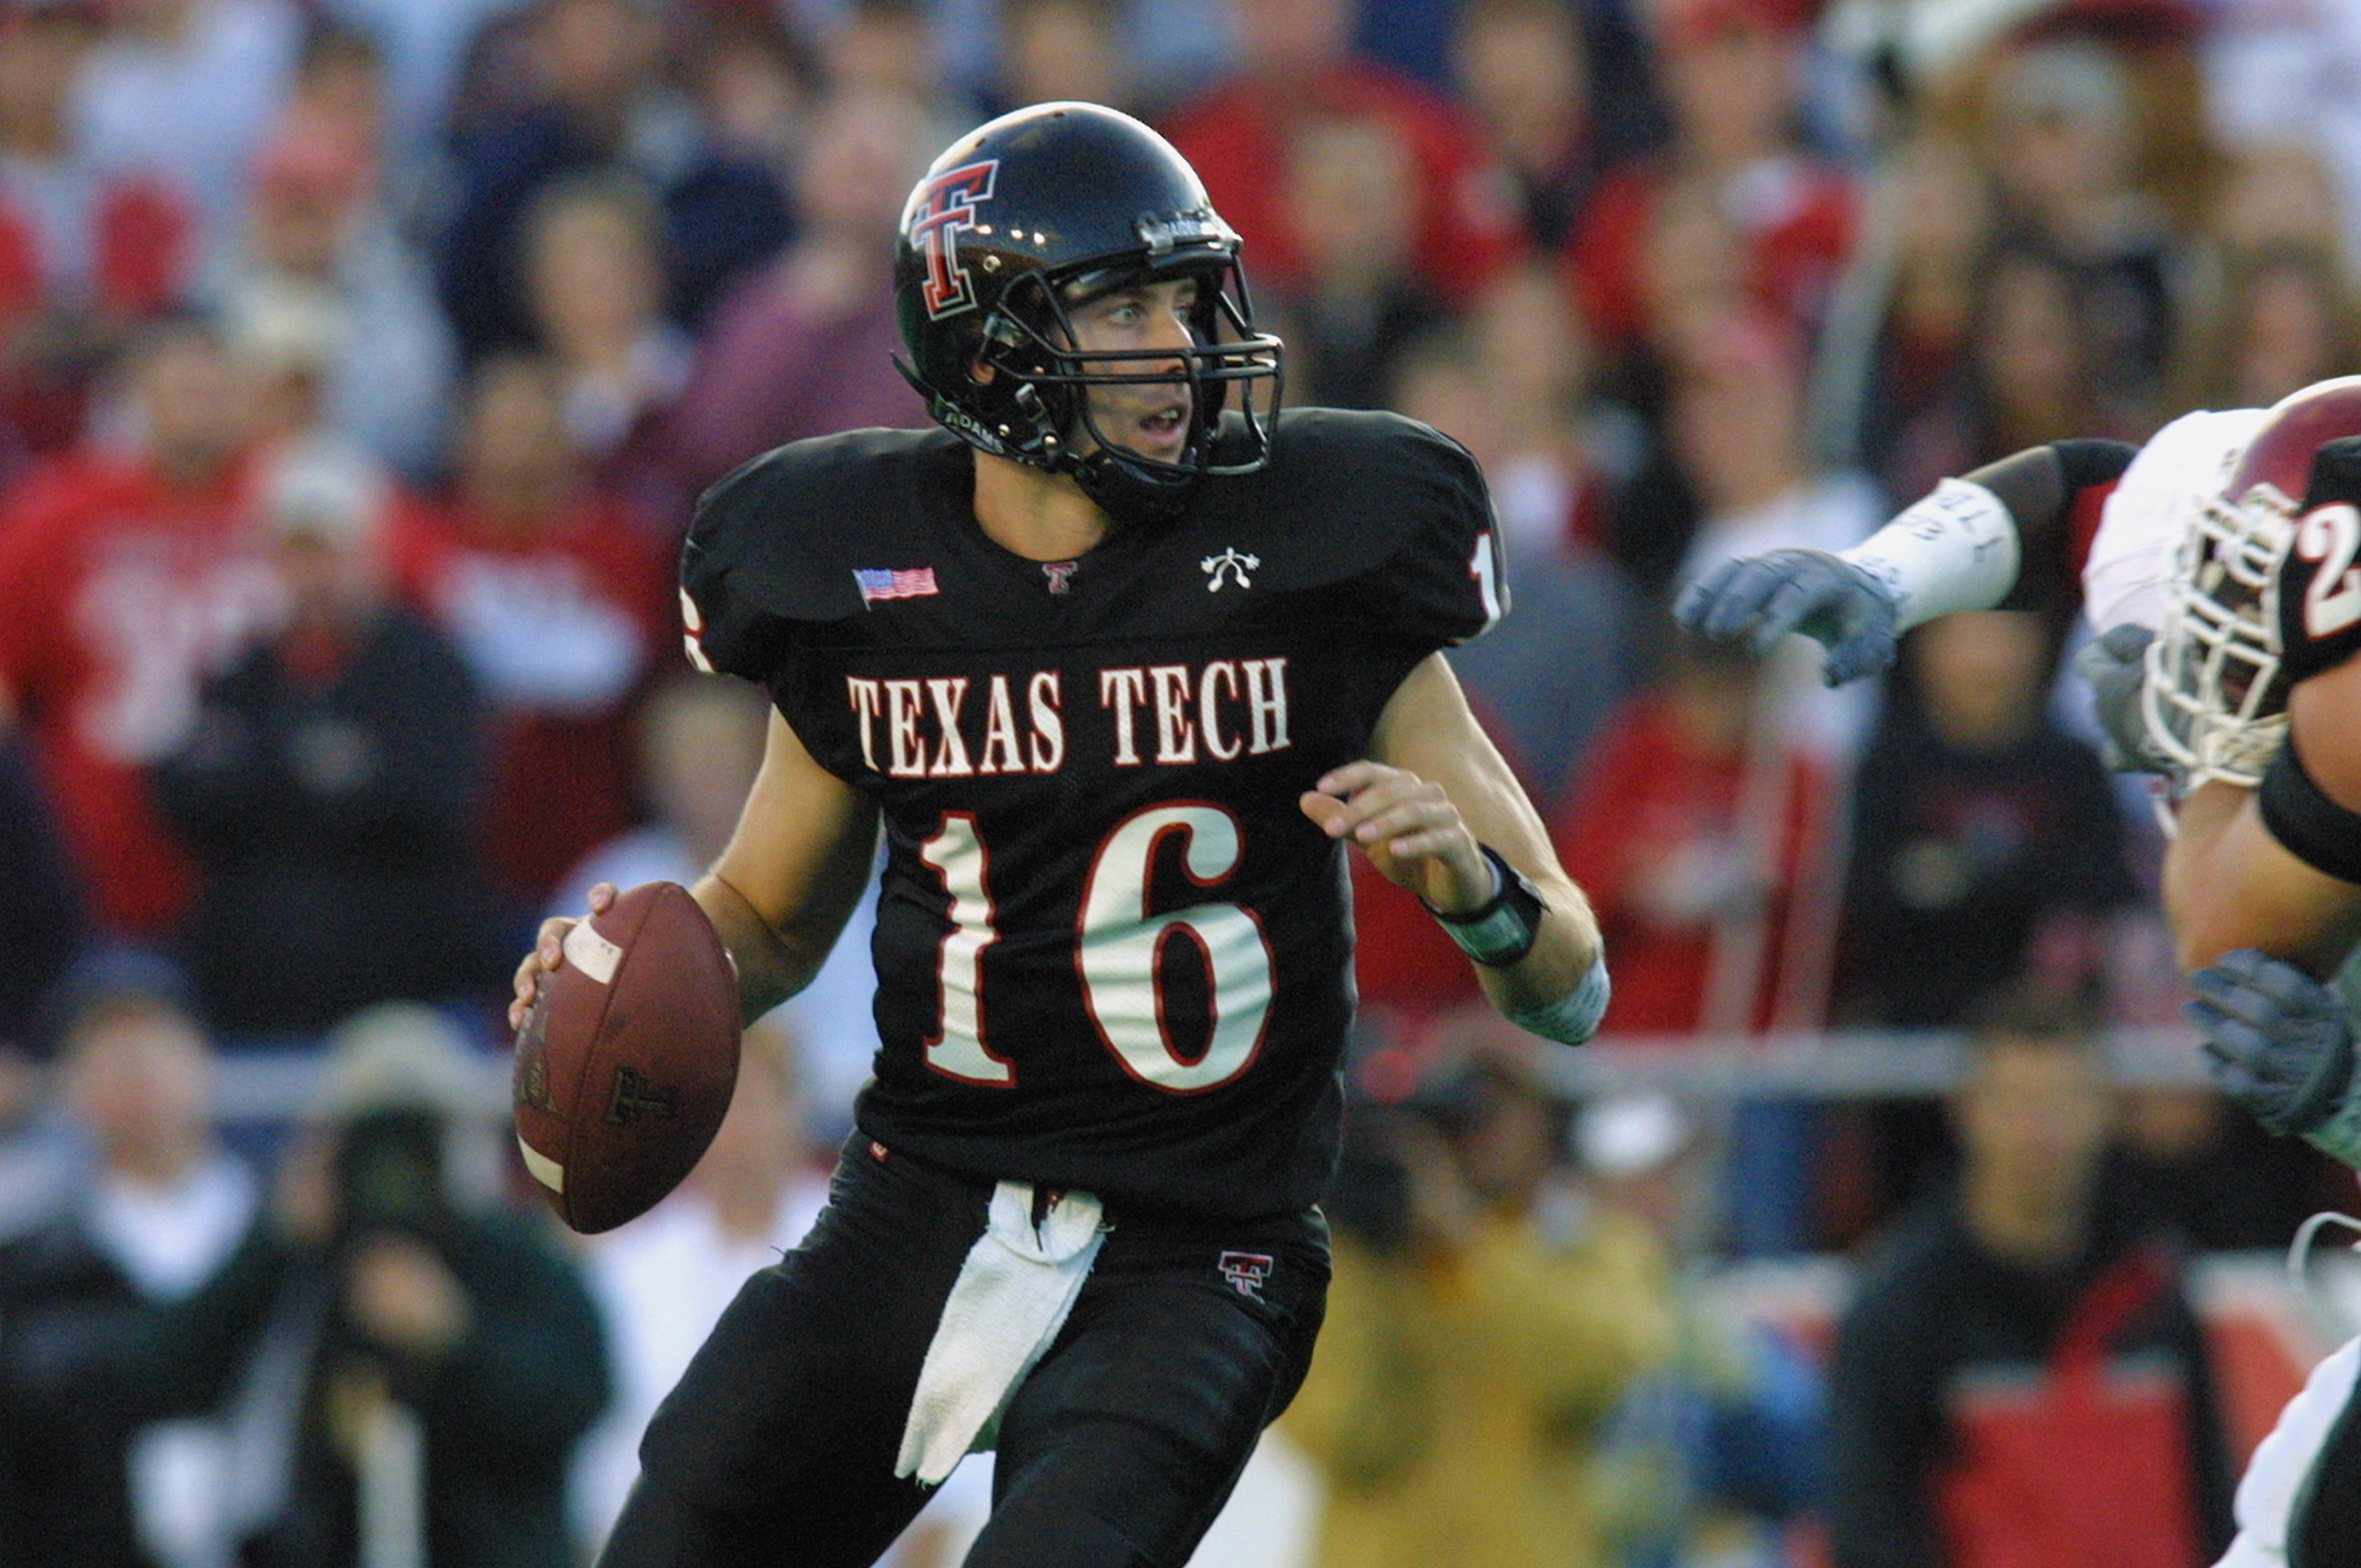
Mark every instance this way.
x=757 y=561
x=1450 y=581
x=1403 y=519
x=2139 y=530
x=2319 y=579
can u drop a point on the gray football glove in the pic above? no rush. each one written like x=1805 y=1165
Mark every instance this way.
x=1757 y=599
x=2116 y=664
x=2278 y=1042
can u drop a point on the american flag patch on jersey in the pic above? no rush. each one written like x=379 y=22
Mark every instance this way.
x=909 y=582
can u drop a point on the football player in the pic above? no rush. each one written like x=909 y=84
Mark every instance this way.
x=2263 y=887
x=2235 y=536
x=1121 y=660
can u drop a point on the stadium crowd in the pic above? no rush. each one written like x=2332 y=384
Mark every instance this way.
x=361 y=360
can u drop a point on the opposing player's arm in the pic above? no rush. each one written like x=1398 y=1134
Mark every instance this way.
x=2247 y=872
x=781 y=891
x=1433 y=795
x=1959 y=547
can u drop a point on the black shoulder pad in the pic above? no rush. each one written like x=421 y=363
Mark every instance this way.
x=1392 y=507
x=2319 y=580
x=773 y=543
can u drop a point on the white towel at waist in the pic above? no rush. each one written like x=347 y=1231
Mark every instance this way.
x=1011 y=1298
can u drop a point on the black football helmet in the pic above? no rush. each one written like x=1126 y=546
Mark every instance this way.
x=1040 y=210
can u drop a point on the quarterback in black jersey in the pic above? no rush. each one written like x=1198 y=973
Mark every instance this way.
x=1120 y=662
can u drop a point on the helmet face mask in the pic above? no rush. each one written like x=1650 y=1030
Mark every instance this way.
x=2215 y=698
x=2212 y=700
x=1224 y=353
x=1023 y=223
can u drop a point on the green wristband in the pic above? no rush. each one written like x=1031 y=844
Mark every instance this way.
x=1503 y=929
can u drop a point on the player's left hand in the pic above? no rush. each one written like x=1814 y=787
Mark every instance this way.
x=2279 y=1042
x=1409 y=828
x=549 y=953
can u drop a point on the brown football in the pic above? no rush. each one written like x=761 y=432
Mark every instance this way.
x=626 y=1062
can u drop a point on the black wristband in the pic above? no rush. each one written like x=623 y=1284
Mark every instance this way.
x=1503 y=928
x=2310 y=826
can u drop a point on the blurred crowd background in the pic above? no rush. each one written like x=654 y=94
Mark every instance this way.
x=360 y=361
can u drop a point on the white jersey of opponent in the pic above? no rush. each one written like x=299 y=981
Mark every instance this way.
x=2182 y=465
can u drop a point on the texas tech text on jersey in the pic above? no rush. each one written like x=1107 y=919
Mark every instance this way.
x=931 y=729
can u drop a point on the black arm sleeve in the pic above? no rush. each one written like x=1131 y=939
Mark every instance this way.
x=2040 y=486
x=2092 y=461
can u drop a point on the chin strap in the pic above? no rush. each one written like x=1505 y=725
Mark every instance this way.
x=1117 y=490
x=1052 y=445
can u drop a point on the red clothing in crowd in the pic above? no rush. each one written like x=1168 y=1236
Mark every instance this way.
x=118 y=595
x=1237 y=138
x=125 y=247
x=1795 y=220
x=1402 y=959
x=1655 y=810
x=2119 y=1424
x=558 y=626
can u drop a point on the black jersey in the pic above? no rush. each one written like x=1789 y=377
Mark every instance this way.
x=1112 y=952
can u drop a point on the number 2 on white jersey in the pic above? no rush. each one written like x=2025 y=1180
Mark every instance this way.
x=1119 y=945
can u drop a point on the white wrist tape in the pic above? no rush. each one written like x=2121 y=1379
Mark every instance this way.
x=1955 y=548
x=1574 y=1017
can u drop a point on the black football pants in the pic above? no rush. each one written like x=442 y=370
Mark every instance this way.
x=778 y=1446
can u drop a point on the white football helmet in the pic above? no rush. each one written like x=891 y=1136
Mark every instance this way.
x=2213 y=700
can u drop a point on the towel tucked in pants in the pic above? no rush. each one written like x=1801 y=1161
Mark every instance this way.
x=780 y=1445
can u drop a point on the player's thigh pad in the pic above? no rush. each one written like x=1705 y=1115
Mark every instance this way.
x=2300 y=1502
x=1122 y=1445
x=794 y=1407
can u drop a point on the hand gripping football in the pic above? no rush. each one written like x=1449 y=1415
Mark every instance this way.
x=626 y=1062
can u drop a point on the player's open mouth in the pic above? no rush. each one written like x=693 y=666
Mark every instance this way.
x=1168 y=427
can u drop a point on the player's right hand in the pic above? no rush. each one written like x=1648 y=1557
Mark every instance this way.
x=1757 y=599
x=549 y=953
x=2278 y=1042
